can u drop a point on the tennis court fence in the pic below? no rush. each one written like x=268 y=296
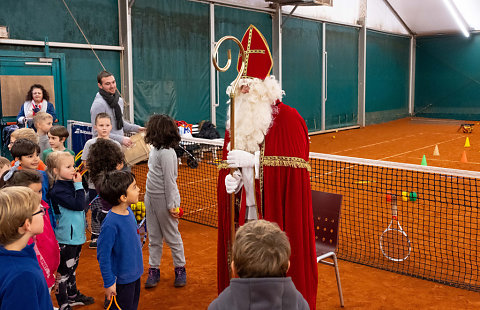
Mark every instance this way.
x=434 y=235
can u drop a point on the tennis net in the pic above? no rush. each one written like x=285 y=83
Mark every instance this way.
x=437 y=210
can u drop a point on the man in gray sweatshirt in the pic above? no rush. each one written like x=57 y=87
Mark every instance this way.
x=108 y=100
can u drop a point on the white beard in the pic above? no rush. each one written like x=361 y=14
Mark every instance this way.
x=254 y=112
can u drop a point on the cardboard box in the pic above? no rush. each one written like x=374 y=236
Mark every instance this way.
x=139 y=151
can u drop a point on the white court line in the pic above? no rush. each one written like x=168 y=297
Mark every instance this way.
x=200 y=210
x=354 y=165
x=377 y=143
x=425 y=147
x=197 y=181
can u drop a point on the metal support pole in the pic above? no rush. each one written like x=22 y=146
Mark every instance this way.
x=277 y=43
x=362 y=61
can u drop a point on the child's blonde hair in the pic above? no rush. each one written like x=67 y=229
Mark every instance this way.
x=261 y=250
x=41 y=117
x=4 y=162
x=17 y=204
x=25 y=133
x=53 y=161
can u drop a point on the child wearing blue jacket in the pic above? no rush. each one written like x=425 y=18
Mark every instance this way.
x=22 y=284
x=68 y=200
x=119 y=250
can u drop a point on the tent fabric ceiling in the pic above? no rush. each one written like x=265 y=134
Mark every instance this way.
x=423 y=17
x=432 y=16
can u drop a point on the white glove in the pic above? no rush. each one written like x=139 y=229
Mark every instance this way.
x=241 y=159
x=233 y=183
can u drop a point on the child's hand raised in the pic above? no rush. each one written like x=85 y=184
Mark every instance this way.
x=77 y=177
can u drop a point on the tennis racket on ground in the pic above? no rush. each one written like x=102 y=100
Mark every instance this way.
x=394 y=241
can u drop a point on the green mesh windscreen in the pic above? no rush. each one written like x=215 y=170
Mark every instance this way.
x=387 y=77
x=171 y=59
x=302 y=69
x=341 y=107
x=447 y=77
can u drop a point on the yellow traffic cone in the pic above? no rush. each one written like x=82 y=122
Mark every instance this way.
x=435 y=151
x=467 y=143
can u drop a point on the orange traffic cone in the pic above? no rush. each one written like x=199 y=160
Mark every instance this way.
x=464 y=158
x=435 y=151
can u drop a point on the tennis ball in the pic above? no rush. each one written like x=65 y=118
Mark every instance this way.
x=143 y=208
x=413 y=196
x=404 y=196
x=333 y=137
x=179 y=211
x=139 y=218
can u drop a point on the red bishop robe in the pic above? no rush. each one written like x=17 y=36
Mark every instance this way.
x=286 y=201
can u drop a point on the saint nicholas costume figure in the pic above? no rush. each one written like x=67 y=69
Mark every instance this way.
x=272 y=182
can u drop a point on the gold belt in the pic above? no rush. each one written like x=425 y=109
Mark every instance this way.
x=277 y=161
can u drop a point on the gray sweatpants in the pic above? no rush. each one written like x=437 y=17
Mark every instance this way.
x=162 y=226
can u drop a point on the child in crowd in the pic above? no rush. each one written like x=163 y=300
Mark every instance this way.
x=23 y=133
x=68 y=200
x=162 y=199
x=103 y=156
x=22 y=285
x=29 y=134
x=103 y=126
x=261 y=258
x=43 y=122
x=4 y=164
x=56 y=139
x=46 y=245
x=119 y=251
x=25 y=155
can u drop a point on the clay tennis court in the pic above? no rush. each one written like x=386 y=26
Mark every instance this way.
x=403 y=141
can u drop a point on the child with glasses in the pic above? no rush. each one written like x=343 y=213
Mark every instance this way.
x=46 y=245
x=68 y=200
x=22 y=284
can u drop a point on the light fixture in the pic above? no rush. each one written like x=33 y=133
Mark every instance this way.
x=457 y=17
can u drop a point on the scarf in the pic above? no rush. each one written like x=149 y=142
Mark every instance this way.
x=112 y=101
x=36 y=108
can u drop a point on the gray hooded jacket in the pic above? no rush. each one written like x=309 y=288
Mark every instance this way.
x=260 y=293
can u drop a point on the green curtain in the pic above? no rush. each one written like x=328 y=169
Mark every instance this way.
x=302 y=69
x=387 y=77
x=341 y=107
x=171 y=59
x=447 y=80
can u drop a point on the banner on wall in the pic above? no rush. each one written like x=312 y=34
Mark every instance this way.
x=80 y=133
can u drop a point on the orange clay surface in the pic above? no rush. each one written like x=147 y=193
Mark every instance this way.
x=363 y=287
